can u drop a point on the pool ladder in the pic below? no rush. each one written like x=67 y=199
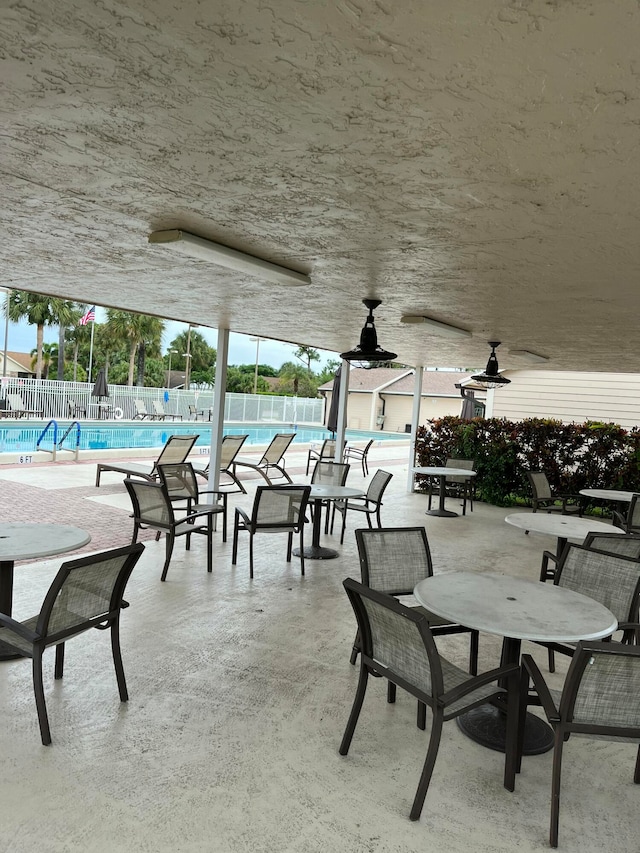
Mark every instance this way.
x=57 y=446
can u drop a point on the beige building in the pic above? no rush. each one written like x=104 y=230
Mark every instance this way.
x=382 y=398
x=18 y=365
x=570 y=397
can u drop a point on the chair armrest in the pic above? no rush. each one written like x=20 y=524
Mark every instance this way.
x=631 y=631
x=545 y=572
x=478 y=681
x=18 y=628
x=217 y=492
x=243 y=515
x=541 y=688
x=618 y=520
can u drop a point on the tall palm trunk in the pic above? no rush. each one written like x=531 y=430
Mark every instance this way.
x=39 y=342
x=132 y=362
x=61 y=331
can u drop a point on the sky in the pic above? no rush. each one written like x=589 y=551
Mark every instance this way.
x=242 y=350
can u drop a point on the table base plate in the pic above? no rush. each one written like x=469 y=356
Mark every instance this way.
x=443 y=513
x=487 y=725
x=315 y=552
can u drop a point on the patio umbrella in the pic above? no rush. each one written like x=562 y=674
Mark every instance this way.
x=100 y=389
x=468 y=406
x=332 y=415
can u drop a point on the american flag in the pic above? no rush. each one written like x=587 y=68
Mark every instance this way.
x=89 y=317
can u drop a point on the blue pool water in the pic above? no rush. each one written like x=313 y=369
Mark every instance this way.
x=23 y=439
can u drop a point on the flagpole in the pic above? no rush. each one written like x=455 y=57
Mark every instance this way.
x=93 y=325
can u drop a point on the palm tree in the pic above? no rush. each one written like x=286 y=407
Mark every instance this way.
x=151 y=329
x=49 y=355
x=78 y=336
x=70 y=319
x=38 y=311
x=132 y=329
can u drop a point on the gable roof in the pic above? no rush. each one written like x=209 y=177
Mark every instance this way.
x=439 y=383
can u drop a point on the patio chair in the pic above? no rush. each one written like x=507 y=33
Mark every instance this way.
x=181 y=483
x=361 y=453
x=160 y=414
x=176 y=449
x=329 y=474
x=141 y=411
x=86 y=593
x=611 y=579
x=272 y=459
x=543 y=497
x=75 y=410
x=229 y=449
x=614 y=543
x=327 y=451
x=276 y=509
x=630 y=522
x=397 y=644
x=393 y=560
x=370 y=504
x=195 y=413
x=18 y=410
x=599 y=699
x=457 y=487
x=153 y=508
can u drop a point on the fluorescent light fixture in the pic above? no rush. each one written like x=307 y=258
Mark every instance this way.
x=207 y=250
x=436 y=325
x=530 y=356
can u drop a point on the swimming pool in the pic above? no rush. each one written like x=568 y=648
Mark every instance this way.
x=123 y=436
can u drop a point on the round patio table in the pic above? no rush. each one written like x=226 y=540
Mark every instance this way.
x=516 y=610
x=563 y=526
x=443 y=473
x=617 y=495
x=25 y=541
x=318 y=494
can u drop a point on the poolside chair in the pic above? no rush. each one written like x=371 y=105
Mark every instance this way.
x=271 y=459
x=181 y=483
x=630 y=522
x=75 y=410
x=86 y=593
x=327 y=451
x=543 y=497
x=276 y=509
x=154 y=509
x=458 y=487
x=141 y=411
x=361 y=453
x=229 y=449
x=599 y=700
x=397 y=644
x=370 y=504
x=195 y=413
x=160 y=414
x=18 y=409
x=176 y=449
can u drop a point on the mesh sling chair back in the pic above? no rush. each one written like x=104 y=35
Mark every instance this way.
x=611 y=579
x=599 y=699
x=19 y=409
x=271 y=459
x=229 y=448
x=614 y=543
x=397 y=644
x=141 y=411
x=393 y=560
x=176 y=449
x=86 y=593
x=361 y=453
x=329 y=474
x=276 y=509
x=182 y=486
x=153 y=508
x=327 y=451
x=630 y=522
x=370 y=504
x=543 y=498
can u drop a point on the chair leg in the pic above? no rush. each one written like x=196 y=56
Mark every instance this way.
x=355 y=651
x=429 y=762
x=511 y=746
x=169 y=551
x=234 y=549
x=117 y=660
x=59 y=664
x=302 y=549
x=210 y=544
x=522 y=716
x=636 y=775
x=355 y=711
x=422 y=716
x=41 y=707
x=134 y=538
x=344 y=524
x=391 y=692
x=251 y=554
x=552 y=660
x=289 y=546
x=555 y=787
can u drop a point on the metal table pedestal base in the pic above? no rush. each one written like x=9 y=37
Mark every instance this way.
x=487 y=725
x=316 y=552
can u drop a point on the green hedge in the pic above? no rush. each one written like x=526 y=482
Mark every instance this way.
x=573 y=456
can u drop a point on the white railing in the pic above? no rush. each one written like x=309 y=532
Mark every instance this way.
x=68 y=400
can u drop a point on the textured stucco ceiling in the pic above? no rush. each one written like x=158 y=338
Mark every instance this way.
x=474 y=160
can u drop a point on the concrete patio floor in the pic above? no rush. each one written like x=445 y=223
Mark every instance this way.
x=239 y=694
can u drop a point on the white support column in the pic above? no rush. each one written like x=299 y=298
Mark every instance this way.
x=342 y=409
x=415 y=420
x=217 y=414
x=488 y=403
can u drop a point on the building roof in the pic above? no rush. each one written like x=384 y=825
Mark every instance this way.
x=23 y=359
x=434 y=382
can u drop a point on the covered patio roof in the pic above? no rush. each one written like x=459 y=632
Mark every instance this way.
x=475 y=162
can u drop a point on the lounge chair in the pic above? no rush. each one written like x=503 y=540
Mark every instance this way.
x=176 y=449
x=271 y=459
x=229 y=449
x=141 y=411
x=18 y=410
x=160 y=414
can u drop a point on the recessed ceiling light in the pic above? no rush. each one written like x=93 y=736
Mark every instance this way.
x=436 y=325
x=216 y=253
